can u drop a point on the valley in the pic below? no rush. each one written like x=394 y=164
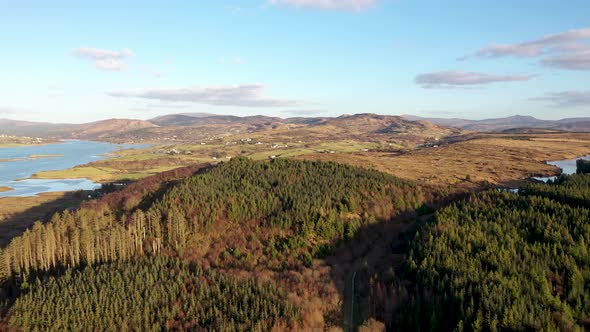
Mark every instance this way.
x=254 y=226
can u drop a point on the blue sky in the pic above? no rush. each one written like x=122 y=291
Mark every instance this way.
x=74 y=61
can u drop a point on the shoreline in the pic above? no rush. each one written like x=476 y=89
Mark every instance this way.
x=87 y=171
x=66 y=173
x=4 y=189
x=31 y=144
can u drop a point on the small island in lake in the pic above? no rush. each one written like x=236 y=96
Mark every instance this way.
x=42 y=156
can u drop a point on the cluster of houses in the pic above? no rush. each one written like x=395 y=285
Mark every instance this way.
x=20 y=139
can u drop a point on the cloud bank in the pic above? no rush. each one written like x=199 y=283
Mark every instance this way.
x=248 y=95
x=564 y=50
x=566 y=98
x=105 y=59
x=450 y=79
x=343 y=5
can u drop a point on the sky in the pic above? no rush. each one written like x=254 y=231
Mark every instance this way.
x=82 y=61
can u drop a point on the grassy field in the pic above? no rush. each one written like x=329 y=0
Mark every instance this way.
x=134 y=164
x=93 y=173
x=18 y=141
x=16 y=145
x=493 y=158
x=11 y=145
x=497 y=159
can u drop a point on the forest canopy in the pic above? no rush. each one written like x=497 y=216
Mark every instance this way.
x=309 y=200
x=149 y=295
x=251 y=218
x=504 y=261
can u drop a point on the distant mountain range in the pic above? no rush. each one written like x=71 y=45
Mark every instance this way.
x=510 y=124
x=198 y=126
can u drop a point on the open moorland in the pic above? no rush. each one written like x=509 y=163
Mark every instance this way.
x=435 y=157
x=217 y=138
x=471 y=161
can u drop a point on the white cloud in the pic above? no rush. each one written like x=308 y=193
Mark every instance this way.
x=101 y=54
x=572 y=61
x=515 y=50
x=566 y=98
x=302 y=112
x=105 y=59
x=346 y=5
x=110 y=64
x=450 y=79
x=565 y=50
x=248 y=95
x=8 y=110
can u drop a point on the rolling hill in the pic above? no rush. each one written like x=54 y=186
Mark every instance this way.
x=243 y=240
x=100 y=130
x=202 y=126
x=510 y=123
x=34 y=129
x=109 y=128
x=198 y=119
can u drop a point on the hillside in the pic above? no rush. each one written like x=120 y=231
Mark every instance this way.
x=200 y=119
x=189 y=127
x=168 y=295
x=297 y=233
x=358 y=123
x=510 y=123
x=34 y=129
x=7 y=123
x=379 y=129
x=503 y=261
x=109 y=128
x=374 y=124
x=272 y=221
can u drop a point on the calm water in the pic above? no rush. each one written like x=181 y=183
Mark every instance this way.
x=568 y=166
x=15 y=164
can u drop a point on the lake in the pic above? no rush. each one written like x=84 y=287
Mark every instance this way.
x=18 y=163
x=568 y=166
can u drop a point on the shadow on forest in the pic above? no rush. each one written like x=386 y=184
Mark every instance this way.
x=133 y=194
x=374 y=259
x=371 y=258
x=15 y=225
